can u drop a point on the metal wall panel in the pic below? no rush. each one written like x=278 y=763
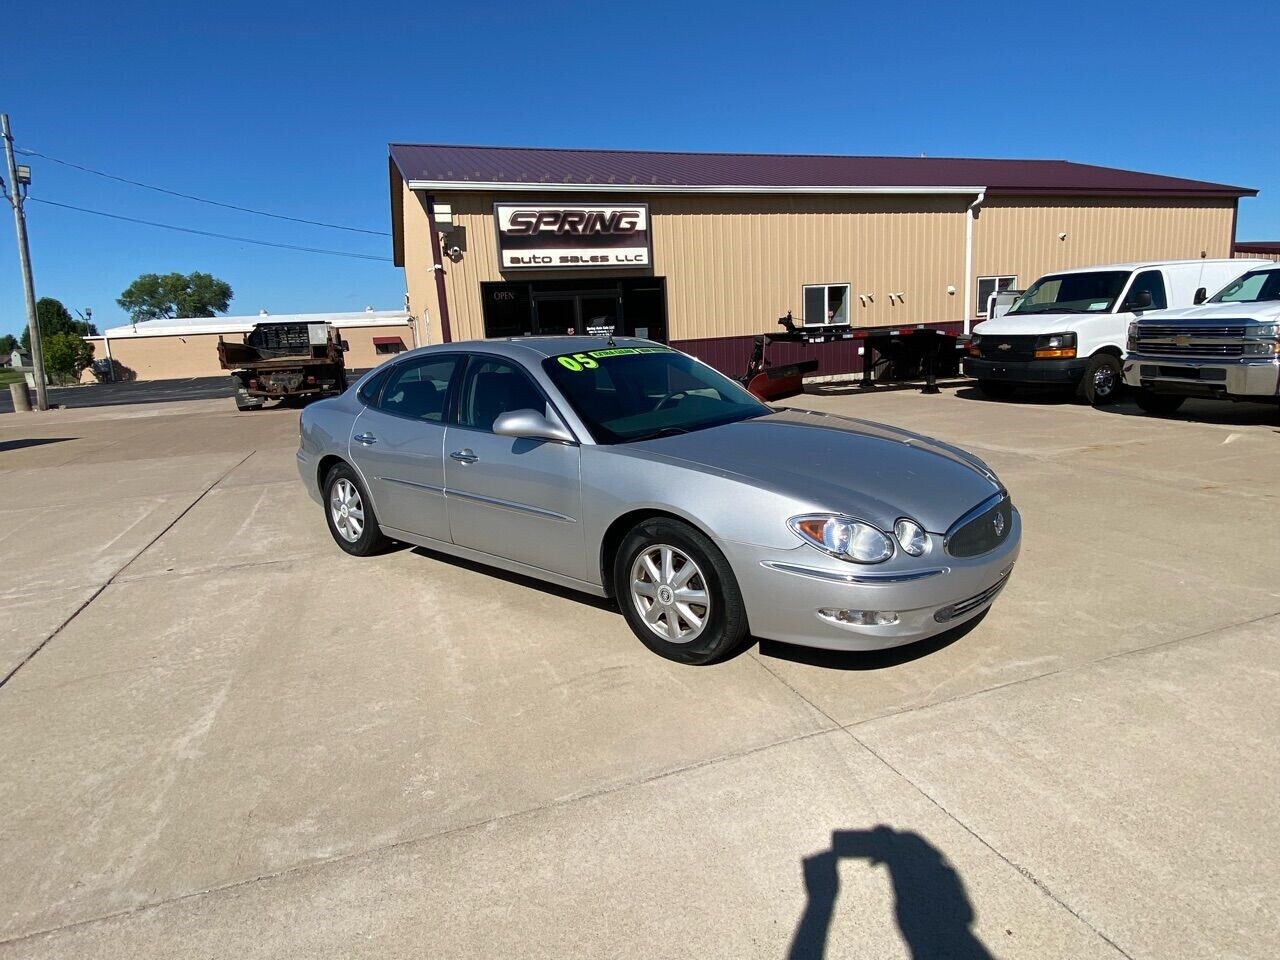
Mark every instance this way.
x=734 y=264
x=1019 y=236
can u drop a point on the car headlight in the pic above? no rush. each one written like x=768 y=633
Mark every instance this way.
x=975 y=346
x=911 y=537
x=843 y=537
x=1056 y=346
x=1131 y=340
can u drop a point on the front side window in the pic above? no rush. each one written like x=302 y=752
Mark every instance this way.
x=417 y=389
x=1152 y=282
x=1094 y=292
x=826 y=303
x=989 y=285
x=624 y=394
x=494 y=387
x=1254 y=287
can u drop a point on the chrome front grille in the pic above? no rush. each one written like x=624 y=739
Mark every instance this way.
x=982 y=529
x=1164 y=348
x=1214 y=331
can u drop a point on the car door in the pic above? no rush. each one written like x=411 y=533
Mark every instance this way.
x=509 y=497
x=397 y=442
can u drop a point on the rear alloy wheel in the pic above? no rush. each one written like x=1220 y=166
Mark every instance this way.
x=678 y=593
x=996 y=389
x=1157 y=404
x=1103 y=380
x=350 y=514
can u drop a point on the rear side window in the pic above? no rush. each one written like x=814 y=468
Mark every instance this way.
x=1152 y=282
x=418 y=389
x=368 y=391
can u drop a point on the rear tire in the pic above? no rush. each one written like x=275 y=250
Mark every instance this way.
x=996 y=389
x=1157 y=404
x=1103 y=380
x=348 y=511
x=678 y=592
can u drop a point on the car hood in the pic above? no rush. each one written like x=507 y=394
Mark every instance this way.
x=868 y=470
x=1266 y=311
x=1033 y=323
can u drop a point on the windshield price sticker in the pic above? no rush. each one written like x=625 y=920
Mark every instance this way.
x=578 y=362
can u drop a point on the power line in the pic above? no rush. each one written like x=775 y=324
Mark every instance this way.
x=188 y=196
x=206 y=233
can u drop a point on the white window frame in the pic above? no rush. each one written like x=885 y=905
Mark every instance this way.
x=981 y=306
x=848 y=307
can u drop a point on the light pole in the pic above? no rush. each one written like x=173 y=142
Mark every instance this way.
x=19 y=180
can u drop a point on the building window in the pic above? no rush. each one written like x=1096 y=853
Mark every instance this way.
x=826 y=303
x=989 y=285
x=385 y=345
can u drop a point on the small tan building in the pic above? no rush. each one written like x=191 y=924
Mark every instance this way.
x=1257 y=249
x=704 y=251
x=188 y=347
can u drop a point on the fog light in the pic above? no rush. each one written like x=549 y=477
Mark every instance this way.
x=861 y=618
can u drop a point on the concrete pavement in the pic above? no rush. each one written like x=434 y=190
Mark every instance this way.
x=226 y=738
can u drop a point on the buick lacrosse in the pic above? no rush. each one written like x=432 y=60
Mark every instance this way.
x=630 y=470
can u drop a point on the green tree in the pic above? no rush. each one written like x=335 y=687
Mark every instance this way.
x=65 y=355
x=54 y=318
x=8 y=344
x=154 y=296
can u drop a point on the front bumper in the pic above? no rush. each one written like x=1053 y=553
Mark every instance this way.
x=784 y=589
x=1246 y=377
x=1026 y=371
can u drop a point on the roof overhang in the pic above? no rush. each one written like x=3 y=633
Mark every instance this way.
x=522 y=186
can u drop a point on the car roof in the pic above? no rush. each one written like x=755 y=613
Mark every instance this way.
x=1245 y=264
x=540 y=347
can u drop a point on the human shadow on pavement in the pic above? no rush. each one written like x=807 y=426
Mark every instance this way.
x=930 y=903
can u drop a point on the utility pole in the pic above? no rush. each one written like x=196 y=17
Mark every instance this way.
x=17 y=194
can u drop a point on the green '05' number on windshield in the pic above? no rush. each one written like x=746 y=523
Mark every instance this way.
x=584 y=361
x=578 y=362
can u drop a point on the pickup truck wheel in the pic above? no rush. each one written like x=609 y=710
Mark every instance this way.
x=1157 y=404
x=1103 y=380
x=996 y=389
x=678 y=592
x=350 y=515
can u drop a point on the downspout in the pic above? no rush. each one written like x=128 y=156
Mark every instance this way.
x=437 y=267
x=111 y=367
x=970 y=215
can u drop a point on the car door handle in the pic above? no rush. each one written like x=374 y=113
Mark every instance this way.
x=465 y=455
x=368 y=439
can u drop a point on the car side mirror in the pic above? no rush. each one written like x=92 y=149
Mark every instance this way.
x=1201 y=296
x=530 y=425
x=1138 y=301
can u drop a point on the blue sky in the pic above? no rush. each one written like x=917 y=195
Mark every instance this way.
x=289 y=107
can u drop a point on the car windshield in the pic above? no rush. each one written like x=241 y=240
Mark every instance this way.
x=625 y=394
x=1072 y=293
x=1254 y=287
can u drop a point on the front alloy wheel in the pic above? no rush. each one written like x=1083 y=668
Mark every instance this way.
x=670 y=593
x=350 y=514
x=677 y=592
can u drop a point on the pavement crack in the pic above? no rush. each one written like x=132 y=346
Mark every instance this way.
x=112 y=579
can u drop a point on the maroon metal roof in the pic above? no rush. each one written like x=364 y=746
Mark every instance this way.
x=442 y=163
x=1271 y=247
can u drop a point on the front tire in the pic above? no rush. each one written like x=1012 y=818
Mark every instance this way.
x=678 y=592
x=1103 y=380
x=1157 y=404
x=996 y=389
x=349 y=513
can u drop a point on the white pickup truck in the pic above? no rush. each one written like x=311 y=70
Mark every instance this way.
x=1069 y=328
x=1227 y=349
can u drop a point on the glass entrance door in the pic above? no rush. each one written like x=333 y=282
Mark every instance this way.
x=633 y=306
x=555 y=315
x=599 y=311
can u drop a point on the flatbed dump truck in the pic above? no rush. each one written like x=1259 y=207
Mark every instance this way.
x=284 y=361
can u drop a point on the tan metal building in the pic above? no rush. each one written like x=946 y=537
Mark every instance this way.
x=1257 y=249
x=707 y=250
x=188 y=347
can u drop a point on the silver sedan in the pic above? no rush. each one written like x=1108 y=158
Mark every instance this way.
x=629 y=470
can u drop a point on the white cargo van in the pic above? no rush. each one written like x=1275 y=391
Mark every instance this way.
x=1069 y=327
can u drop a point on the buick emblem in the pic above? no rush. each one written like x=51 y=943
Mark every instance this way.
x=998 y=523
x=1004 y=346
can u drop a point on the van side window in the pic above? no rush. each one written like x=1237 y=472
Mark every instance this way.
x=1153 y=283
